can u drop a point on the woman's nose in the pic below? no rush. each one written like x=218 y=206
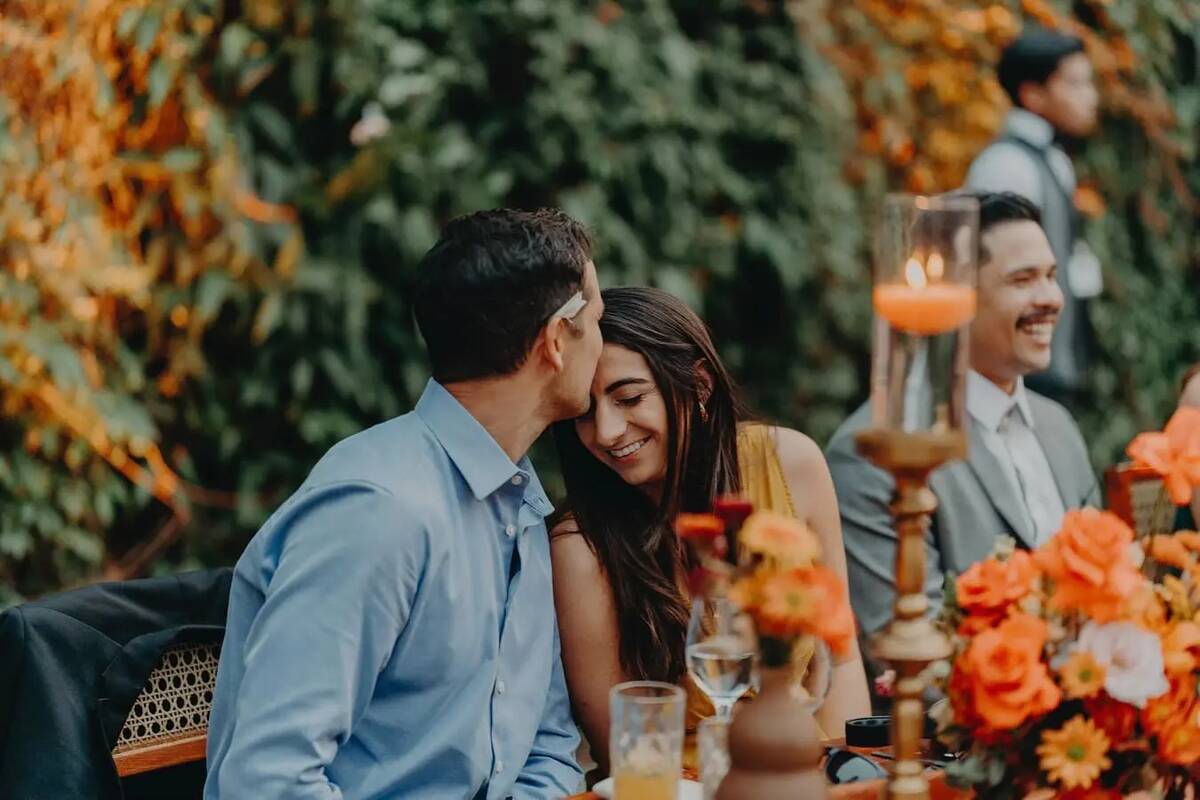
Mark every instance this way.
x=610 y=425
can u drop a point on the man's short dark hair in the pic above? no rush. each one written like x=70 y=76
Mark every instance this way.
x=1033 y=57
x=996 y=208
x=489 y=285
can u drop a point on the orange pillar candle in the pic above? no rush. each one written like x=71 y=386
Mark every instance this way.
x=926 y=310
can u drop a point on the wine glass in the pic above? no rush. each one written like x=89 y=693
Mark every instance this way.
x=721 y=652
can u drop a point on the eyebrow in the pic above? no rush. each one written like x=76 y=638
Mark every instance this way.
x=615 y=385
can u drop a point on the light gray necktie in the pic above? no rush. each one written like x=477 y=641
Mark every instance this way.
x=1035 y=481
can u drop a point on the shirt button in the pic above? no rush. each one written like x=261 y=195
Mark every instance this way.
x=511 y=530
x=500 y=687
x=499 y=767
x=517 y=480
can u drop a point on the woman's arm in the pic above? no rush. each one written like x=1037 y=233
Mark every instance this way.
x=812 y=492
x=589 y=633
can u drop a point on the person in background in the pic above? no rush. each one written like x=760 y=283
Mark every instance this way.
x=1048 y=78
x=391 y=627
x=1027 y=463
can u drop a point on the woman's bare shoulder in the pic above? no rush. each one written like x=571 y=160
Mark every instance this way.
x=798 y=453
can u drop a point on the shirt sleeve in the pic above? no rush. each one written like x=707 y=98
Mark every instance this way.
x=551 y=770
x=1005 y=167
x=343 y=568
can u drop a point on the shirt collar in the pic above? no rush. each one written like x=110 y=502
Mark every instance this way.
x=1030 y=127
x=479 y=459
x=989 y=404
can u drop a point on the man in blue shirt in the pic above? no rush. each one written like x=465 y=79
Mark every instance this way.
x=391 y=627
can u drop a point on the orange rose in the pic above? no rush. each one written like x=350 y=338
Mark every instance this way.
x=1009 y=681
x=987 y=590
x=1089 y=562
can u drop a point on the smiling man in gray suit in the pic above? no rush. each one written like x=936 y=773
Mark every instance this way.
x=1027 y=462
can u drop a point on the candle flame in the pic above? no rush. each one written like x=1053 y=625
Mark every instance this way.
x=914 y=274
x=935 y=266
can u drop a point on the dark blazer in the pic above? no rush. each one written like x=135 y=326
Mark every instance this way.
x=976 y=504
x=71 y=666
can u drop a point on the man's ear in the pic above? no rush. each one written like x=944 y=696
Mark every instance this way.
x=551 y=343
x=1032 y=96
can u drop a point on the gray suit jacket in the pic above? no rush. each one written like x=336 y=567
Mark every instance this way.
x=976 y=503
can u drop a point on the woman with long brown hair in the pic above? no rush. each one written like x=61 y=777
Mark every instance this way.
x=666 y=433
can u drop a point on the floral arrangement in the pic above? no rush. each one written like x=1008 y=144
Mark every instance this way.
x=1077 y=666
x=774 y=576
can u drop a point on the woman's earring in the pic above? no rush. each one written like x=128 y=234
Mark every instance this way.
x=703 y=412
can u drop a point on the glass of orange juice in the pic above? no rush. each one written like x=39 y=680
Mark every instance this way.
x=646 y=740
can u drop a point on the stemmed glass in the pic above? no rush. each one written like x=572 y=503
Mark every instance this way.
x=721 y=652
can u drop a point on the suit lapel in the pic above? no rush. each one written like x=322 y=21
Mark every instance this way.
x=998 y=487
x=1062 y=465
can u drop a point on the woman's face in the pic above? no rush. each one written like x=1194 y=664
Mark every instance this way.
x=626 y=425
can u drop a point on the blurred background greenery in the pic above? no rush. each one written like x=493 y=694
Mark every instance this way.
x=210 y=213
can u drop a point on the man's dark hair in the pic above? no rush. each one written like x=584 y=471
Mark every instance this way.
x=489 y=285
x=996 y=208
x=1033 y=57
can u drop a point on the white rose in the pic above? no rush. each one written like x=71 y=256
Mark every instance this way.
x=1132 y=660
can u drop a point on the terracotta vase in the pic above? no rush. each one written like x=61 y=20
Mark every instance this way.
x=775 y=745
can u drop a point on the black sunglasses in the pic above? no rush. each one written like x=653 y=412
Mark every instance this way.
x=846 y=766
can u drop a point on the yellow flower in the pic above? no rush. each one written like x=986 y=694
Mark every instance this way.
x=1082 y=675
x=1075 y=754
x=783 y=539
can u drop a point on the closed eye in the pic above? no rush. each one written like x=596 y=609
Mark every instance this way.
x=630 y=402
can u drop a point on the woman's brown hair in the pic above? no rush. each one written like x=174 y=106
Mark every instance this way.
x=632 y=537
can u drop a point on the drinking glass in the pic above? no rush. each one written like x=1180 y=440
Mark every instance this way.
x=712 y=745
x=721 y=652
x=646 y=740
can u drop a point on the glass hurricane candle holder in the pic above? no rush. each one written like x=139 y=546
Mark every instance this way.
x=923 y=296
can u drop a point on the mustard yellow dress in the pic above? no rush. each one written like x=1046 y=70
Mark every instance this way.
x=765 y=486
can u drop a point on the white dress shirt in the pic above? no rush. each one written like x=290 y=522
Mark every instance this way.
x=1006 y=167
x=1006 y=423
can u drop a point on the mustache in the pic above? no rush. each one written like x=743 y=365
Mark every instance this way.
x=1034 y=317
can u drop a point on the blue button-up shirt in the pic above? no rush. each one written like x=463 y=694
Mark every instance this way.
x=391 y=628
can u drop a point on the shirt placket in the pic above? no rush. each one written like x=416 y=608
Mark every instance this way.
x=513 y=558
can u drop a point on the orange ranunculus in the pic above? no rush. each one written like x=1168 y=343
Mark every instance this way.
x=808 y=600
x=1181 y=648
x=987 y=590
x=780 y=538
x=1180 y=743
x=1115 y=718
x=1009 y=681
x=835 y=623
x=1174 y=453
x=1173 y=708
x=1089 y=562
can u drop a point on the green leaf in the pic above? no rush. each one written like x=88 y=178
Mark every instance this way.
x=147 y=29
x=159 y=81
x=182 y=159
